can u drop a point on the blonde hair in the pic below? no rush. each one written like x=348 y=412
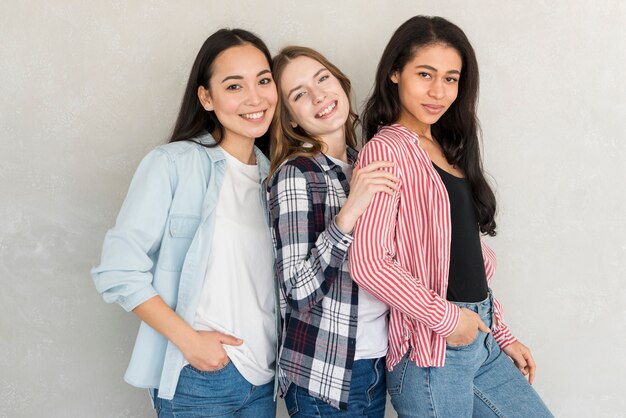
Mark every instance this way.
x=286 y=141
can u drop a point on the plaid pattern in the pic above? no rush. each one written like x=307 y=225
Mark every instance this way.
x=317 y=296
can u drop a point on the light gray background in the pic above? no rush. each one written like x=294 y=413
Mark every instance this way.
x=87 y=88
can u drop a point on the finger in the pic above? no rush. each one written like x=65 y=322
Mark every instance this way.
x=532 y=366
x=381 y=174
x=383 y=181
x=230 y=340
x=390 y=190
x=484 y=328
x=521 y=363
x=376 y=165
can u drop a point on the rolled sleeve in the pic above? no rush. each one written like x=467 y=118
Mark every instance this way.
x=130 y=248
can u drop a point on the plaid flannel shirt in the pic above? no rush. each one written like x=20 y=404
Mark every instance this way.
x=317 y=296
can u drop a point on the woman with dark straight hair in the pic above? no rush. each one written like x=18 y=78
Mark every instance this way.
x=420 y=250
x=190 y=253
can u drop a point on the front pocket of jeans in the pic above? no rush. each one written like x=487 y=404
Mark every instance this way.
x=396 y=377
x=210 y=372
x=464 y=346
x=291 y=400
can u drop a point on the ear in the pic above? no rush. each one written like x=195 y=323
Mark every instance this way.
x=205 y=99
x=394 y=77
x=293 y=124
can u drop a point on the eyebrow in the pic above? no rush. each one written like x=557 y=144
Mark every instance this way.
x=238 y=77
x=314 y=75
x=428 y=67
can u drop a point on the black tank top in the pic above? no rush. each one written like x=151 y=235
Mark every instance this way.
x=467 y=281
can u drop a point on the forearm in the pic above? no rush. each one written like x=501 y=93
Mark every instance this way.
x=309 y=254
x=308 y=276
x=390 y=282
x=159 y=316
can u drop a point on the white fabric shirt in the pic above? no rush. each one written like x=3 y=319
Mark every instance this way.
x=371 y=332
x=237 y=296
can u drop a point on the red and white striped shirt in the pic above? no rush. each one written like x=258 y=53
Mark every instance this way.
x=401 y=252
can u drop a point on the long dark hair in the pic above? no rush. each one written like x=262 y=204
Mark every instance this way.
x=288 y=141
x=193 y=119
x=458 y=129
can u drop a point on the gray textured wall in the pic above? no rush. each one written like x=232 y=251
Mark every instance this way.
x=87 y=88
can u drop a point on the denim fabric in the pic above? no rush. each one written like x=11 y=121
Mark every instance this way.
x=478 y=380
x=220 y=393
x=367 y=395
x=160 y=245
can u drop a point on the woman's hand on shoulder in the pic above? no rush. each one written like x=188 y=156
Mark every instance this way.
x=523 y=359
x=366 y=182
x=206 y=351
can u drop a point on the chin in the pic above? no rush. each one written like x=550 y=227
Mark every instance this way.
x=430 y=119
x=258 y=134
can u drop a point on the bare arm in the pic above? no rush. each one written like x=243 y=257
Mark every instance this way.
x=202 y=349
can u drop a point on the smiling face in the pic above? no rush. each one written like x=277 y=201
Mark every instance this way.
x=314 y=98
x=241 y=92
x=427 y=86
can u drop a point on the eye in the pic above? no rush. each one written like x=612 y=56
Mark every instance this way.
x=233 y=87
x=424 y=75
x=297 y=96
x=452 y=80
x=265 y=81
x=323 y=78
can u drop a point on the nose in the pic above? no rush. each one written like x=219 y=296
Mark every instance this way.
x=318 y=95
x=254 y=96
x=436 y=90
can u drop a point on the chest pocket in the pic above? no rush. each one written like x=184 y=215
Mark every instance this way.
x=181 y=230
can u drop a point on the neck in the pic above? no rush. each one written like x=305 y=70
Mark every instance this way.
x=421 y=129
x=335 y=146
x=240 y=148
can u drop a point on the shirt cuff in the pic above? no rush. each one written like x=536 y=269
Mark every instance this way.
x=449 y=320
x=338 y=238
x=503 y=336
x=135 y=299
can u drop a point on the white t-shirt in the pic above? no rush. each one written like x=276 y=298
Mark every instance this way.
x=371 y=332
x=238 y=292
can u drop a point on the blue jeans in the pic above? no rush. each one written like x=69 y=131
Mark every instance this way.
x=367 y=395
x=478 y=380
x=220 y=393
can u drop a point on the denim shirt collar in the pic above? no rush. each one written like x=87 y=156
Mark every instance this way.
x=216 y=154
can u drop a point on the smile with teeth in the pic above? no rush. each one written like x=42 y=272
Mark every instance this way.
x=253 y=116
x=327 y=110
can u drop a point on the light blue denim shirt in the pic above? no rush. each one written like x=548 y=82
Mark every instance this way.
x=160 y=245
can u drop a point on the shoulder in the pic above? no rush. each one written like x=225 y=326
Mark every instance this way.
x=386 y=144
x=298 y=173
x=392 y=137
x=190 y=148
x=180 y=149
x=305 y=167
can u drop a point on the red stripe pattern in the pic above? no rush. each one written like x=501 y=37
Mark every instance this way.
x=401 y=252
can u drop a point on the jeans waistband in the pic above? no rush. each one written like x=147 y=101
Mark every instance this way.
x=482 y=308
